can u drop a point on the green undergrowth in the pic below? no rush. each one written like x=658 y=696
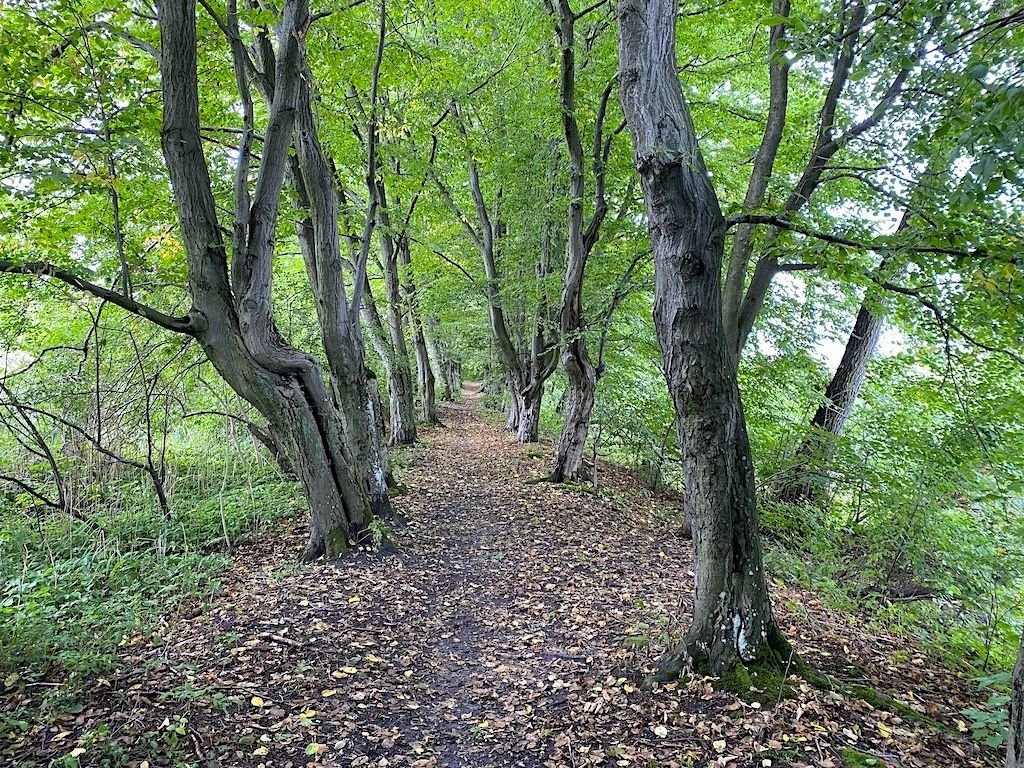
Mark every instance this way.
x=853 y=758
x=70 y=594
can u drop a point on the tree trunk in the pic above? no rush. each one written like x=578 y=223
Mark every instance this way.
x=528 y=429
x=1015 y=728
x=401 y=409
x=453 y=371
x=400 y=387
x=425 y=377
x=317 y=436
x=828 y=422
x=732 y=619
x=516 y=406
x=401 y=402
x=232 y=317
x=343 y=345
x=438 y=363
x=424 y=373
x=579 y=404
x=582 y=376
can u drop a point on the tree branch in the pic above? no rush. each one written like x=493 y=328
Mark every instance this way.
x=45 y=269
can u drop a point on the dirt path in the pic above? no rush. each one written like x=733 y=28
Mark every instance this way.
x=506 y=629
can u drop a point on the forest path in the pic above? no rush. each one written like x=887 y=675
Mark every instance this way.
x=493 y=635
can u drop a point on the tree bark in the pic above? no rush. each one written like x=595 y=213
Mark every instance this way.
x=528 y=428
x=424 y=371
x=401 y=393
x=582 y=237
x=438 y=361
x=831 y=416
x=732 y=621
x=343 y=345
x=232 y=317
x=1015 y=728
x=579 y=405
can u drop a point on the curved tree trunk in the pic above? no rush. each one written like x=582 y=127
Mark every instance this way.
x=732 y=619
x=232 y=316
x=581 y=374
x=830 y=418
x=579 y=405
x=343 y=345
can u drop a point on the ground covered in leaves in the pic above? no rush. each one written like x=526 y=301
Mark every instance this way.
x=508 y=627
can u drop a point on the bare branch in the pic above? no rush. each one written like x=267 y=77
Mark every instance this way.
x=45 y=269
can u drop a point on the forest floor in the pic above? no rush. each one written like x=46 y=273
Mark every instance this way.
x=508 y=627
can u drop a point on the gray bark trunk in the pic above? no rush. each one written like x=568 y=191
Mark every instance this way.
x=830 y=418
x=732 y=620
x=579 y=370
x=579 y=405
x=438 y=362
x=528 y=427
x=424 y=375
x=343 y=346
x=424 y=372
x=515 y=407
x=402 y=395
x=232 y=317
x=1015 y=728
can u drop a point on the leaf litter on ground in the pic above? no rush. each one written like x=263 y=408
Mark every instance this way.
x=510 y=626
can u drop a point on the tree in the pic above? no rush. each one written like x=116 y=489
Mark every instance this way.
x=743 y=300
x=327 y=432
x=527 y=367
x=582 y=237
x=1015 y=729
x=732 y=618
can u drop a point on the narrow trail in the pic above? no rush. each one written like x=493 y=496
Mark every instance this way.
x=507 y=628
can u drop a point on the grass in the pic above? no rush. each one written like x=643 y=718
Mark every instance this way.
x=71 y=595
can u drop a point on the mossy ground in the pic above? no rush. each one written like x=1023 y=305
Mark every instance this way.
x=853 y=758
x=764 y=683
x=879 y=700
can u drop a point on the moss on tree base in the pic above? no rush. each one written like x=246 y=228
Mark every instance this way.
x=335 y=542
x=763 y=679
x=763 y=683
